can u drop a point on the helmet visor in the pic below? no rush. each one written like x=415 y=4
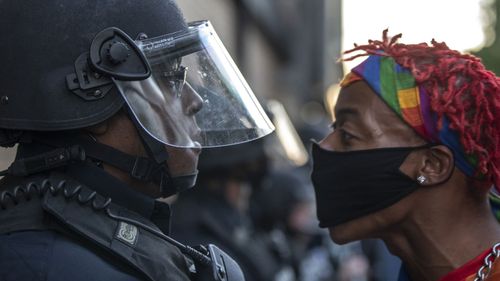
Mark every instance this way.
x=195 y=96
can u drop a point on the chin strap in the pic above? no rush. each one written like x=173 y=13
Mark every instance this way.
x=157 y=151
x=146 y=169
x=45 y=161
x=80 y=149
x=141 y=168
x=153 y=168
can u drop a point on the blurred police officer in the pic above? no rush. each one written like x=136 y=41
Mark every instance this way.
x=110 y=103
x=227 y=178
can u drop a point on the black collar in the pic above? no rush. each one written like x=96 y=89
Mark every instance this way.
x=108 y=186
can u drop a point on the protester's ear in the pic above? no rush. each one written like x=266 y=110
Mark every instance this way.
x=429 y=166
x=436 y=165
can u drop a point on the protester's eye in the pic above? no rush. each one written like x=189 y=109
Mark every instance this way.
x=345 y=137
x=333 y=126
x=343 y=134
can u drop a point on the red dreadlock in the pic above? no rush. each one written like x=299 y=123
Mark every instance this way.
x=459 y=88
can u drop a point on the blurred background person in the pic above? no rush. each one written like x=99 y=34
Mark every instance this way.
x=283 y=212
x=218 y=211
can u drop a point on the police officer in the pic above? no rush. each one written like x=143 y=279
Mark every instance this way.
x=110 y=103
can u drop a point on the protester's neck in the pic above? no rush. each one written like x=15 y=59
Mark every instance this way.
x=440 y=239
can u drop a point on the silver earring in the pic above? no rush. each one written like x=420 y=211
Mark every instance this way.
x=421 y=179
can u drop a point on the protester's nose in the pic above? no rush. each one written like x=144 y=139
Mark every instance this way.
x=192 y=102
x=328 y=143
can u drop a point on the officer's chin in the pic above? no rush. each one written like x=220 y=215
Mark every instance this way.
x=178 y=184
x=182 y=160
x=185 y=182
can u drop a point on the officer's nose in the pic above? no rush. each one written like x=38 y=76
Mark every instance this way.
x=191 y=101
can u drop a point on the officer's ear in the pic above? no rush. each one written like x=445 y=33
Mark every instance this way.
x=98 y=129
x=103 y=127
x=436 y=165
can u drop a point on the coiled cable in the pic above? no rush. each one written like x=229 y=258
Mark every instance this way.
x=32 y=188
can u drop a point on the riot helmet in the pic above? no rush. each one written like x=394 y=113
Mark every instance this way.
x=72 y=64
x=66 y=74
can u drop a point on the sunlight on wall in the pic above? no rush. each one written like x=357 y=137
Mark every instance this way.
x=456 y=22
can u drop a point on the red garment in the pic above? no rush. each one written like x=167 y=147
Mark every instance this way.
x=468 y=271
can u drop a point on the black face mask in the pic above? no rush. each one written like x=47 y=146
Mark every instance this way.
x=352 y=184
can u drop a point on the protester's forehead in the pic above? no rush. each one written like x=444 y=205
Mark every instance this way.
x=351 y=99
x=360 y=106
x=357 y=99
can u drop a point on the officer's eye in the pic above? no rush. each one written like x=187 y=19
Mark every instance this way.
x=176 y=79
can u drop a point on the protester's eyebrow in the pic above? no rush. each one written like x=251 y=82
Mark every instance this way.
x=342 y=113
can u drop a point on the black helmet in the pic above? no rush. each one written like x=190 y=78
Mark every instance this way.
x=72 y=64
x=246 y=162
x=41 y=41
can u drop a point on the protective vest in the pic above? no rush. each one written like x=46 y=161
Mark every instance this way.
x=62 y=204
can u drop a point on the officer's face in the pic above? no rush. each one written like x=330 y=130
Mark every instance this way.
x=120 y=132
x=166 y=108
x=183 y=161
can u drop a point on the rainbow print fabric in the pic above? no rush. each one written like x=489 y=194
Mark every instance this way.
x=397 y=87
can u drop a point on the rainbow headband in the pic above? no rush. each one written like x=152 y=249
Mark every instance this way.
x=396 y=86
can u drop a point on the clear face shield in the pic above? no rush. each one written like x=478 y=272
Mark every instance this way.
x=195 y=95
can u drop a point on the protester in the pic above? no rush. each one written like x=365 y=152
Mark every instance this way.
x=412 y=158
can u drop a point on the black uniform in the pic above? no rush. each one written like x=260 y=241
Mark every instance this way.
x=217 y=222
x=78 y=76
x=70 y=231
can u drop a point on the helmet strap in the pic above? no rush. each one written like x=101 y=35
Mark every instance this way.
x=145 y=169
x=156 y=150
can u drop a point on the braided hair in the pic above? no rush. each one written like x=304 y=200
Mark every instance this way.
x=459 y=88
